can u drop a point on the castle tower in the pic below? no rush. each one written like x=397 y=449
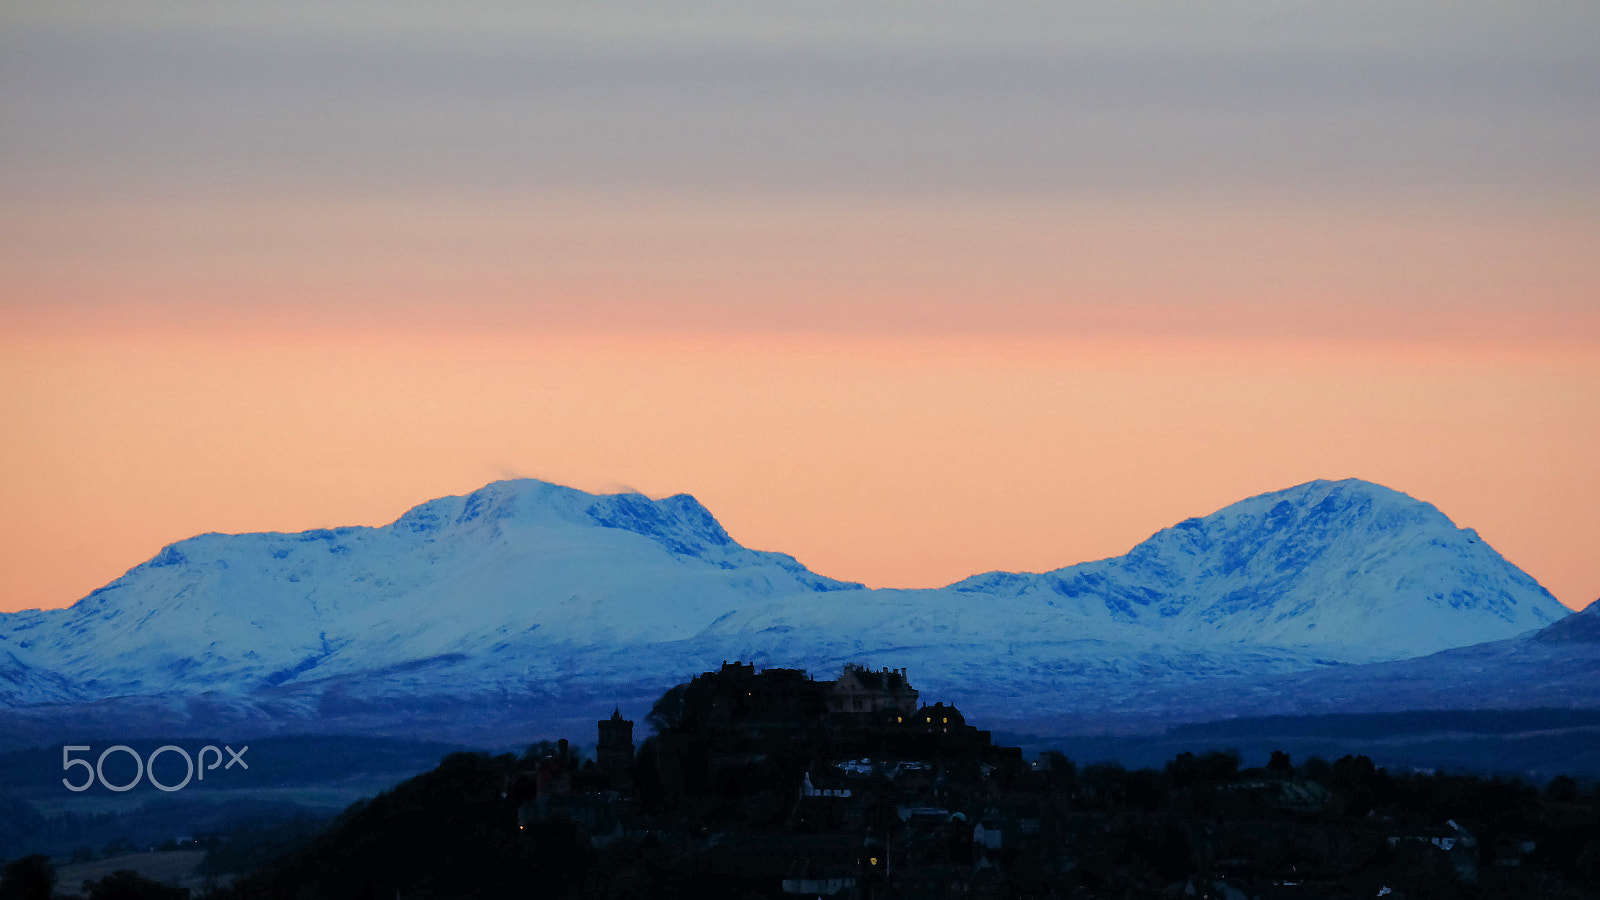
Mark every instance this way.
x=615 y=751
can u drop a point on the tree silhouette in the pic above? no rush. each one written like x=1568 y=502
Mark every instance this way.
x=28 y=878
x=1280 y=765
x=126 y=884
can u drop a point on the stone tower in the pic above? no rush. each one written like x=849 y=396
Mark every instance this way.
x=615 y=751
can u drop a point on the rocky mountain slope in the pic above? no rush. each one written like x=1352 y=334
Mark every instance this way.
x=1557 y=667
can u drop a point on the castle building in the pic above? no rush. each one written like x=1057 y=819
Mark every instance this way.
x=949 y=727
x=737 y=698
x=861 y=690
x=615 y=750
x=616 y=739
x=746 y=742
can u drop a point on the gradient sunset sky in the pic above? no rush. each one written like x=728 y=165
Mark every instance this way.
x=911 y=290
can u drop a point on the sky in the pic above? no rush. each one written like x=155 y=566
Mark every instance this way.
x=908 y=290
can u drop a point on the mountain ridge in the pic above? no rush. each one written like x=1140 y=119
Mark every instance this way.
x=1151 y=576
x=537 y=593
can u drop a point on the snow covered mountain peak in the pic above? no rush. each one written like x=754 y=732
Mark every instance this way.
x=455 y=575
x=1282 y=532
x=1348 y=565
x=679 y=523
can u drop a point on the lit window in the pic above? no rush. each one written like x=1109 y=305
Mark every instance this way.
x=873 y=860
x=899 y=719
x=945 y=720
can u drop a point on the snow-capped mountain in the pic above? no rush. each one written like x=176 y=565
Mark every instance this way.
x=459 y=575
x=525 y=596
x=1345 y=570
x=1344 y=565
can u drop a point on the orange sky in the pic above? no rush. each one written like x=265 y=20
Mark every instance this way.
x=909 y=462
x=910 y=292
